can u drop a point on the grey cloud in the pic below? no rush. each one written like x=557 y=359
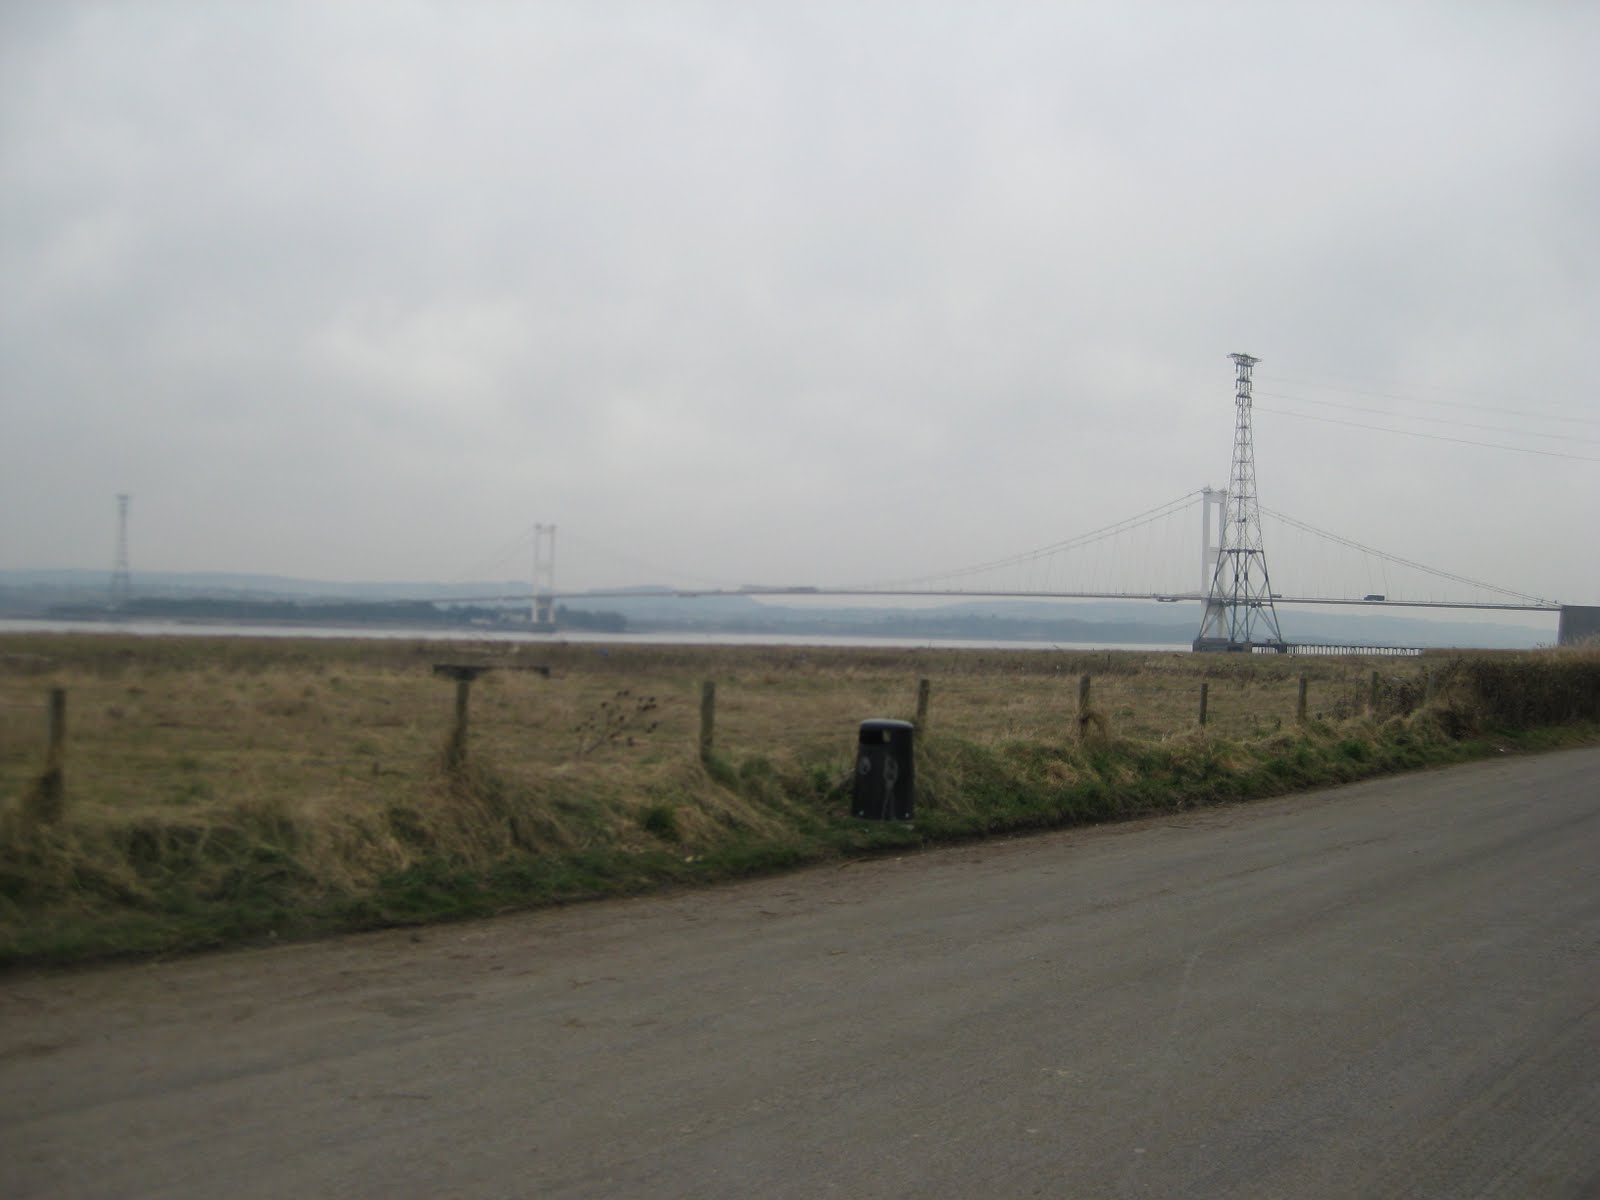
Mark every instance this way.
x=363 y=289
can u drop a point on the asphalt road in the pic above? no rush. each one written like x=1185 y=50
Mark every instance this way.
x=1391 y=989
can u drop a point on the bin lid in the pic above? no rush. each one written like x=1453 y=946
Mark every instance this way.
x=885 y=725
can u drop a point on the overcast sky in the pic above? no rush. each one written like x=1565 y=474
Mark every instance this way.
x=772 y=293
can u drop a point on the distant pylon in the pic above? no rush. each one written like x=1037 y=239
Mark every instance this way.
x=1239 y=613
x=544 y=576
x=121 y=578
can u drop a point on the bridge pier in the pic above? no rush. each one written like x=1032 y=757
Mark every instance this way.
x=1216 y=645
x=1580 y=623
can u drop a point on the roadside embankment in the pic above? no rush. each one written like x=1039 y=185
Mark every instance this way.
x=161 y=795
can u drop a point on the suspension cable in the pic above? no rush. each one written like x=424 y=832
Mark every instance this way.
x=1404 y=562
x=1083 y=539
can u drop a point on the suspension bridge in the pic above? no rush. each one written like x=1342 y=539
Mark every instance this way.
x=1397 y=582
x=1142 y=558
x=1207 y=545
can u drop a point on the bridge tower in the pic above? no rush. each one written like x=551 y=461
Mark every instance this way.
x=544 y=577
x=121 y=578
x=1213 y=501
x=1239 y=613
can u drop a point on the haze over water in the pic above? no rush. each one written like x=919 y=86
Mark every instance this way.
x=574 y=637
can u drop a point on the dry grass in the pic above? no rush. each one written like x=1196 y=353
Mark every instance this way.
x=157 y=727
x=273 y=774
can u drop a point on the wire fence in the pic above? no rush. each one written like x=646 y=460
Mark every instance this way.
x=186 y=739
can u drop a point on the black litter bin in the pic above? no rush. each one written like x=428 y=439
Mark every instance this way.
x=886 y=784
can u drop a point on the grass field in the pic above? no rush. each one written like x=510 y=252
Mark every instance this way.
x=220 y=789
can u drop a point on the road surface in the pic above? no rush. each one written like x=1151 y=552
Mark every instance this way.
x=1391 y=989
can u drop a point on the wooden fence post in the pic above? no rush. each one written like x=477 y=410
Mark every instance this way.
x=49 y=798
x=455 y=749
x=58 y=724
x=708 y=718
x=1083 y=706
x=1372 y=695
x=1205 y=691
x=455 y=754
x=1300 y=701
x=923 y=688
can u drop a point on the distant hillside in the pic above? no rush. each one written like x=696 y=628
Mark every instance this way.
x=649 y=609
x=80 y=583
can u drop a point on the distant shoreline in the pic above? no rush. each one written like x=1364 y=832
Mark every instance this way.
x=196 y=628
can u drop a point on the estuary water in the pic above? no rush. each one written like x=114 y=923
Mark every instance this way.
x=563 y=637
